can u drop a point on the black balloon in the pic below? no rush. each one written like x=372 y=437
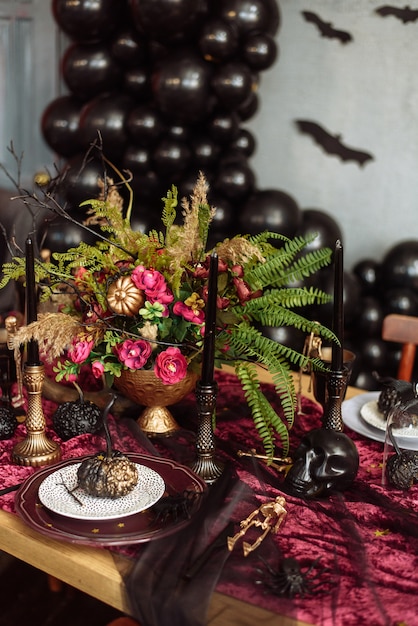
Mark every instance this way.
x=236 y=181
x=60 y=234
x=366 y=380
x=205 y=151
x=223 y=127
x=232 y=84
x=180 y=132
x=251 y=15
x=128 y=48
x=270 y=209
x=400 y=265
x=285 y=335
x=90 y=69
x=326 y=229
x=168 y=20
x=146 y=216
x=249 y=108
x=368 y=272
x=137 y=82
x=259 y=51
x=369 y=318
x=60 y=126
x=374 y=353
x=181 y=86
x=87 y=21
x=223 y=220
x=171 y=157
x=244 y=143
x=232 y=155
x=107 y=114
x=401 y=300
x=218 y=40
x=147 y=186
x=137 y=159
x=80 y=182
x=144 y=125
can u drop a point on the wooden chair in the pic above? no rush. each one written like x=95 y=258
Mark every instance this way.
x=402 y=329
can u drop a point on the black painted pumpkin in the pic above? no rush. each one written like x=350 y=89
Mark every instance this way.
x=76 y=417
x=8 y=422
x=107 y=474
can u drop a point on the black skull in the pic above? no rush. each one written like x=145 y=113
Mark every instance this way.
x=325 y=461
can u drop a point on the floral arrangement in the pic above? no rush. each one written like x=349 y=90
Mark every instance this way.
x=137 y=301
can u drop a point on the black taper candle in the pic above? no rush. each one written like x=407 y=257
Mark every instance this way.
x=338 y=315
x=31 y=301
x=208 y=361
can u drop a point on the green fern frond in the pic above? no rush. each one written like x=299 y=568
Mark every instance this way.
x=169 y=213
x=309 y=264
x=289 y=298
x=266 y=421
x=246 y=342
x=12 y=270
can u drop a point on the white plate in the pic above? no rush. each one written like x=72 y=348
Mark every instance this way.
x=54 y=495
x=351 y=413
x=371 y=414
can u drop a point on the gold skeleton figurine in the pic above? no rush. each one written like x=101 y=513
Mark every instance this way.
x=268 y=517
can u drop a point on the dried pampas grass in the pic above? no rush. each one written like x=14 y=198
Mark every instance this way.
x=53 y=332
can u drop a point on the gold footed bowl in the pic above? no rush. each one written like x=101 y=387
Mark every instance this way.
x=143 y=387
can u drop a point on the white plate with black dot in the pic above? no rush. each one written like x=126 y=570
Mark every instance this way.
x=60 y=494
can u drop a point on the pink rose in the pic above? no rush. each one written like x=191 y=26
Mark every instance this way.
x=170 y=366
x=134 y=354
x=153 y=284
x=97 y=369
x=187 y=312
x=80 y=350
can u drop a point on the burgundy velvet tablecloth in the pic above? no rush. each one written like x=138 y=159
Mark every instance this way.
x=366 y=537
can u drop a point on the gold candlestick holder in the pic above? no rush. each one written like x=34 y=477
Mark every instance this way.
x=206 y=465
x=36 y=449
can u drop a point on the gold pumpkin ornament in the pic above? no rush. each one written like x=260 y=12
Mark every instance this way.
x=124 y=297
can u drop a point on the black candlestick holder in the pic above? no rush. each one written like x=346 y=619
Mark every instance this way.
x=336 y=384
x=206 y=465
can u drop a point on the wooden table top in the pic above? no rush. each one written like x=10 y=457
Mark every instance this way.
x=99 y=572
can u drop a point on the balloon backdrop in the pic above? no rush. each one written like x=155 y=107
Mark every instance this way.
x=169 y=85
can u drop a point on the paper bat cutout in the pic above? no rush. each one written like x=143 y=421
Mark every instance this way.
x=331 y=144
x=326 y=28
x=405 y=15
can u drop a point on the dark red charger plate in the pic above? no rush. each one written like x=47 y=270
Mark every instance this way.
x=137 y=528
